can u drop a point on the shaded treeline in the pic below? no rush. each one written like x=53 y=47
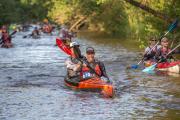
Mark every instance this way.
x=20 y=11
x=124 y=18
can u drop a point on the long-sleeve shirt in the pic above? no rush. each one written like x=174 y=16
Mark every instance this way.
x=73 y=67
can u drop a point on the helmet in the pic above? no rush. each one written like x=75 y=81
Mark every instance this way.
x=72 y=44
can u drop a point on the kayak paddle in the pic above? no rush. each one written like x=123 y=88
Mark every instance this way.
x=63 y=47
x=152 y=67
x=171 y=28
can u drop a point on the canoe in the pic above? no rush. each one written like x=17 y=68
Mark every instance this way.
x=92 y=84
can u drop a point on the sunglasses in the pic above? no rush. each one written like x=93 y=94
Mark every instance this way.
x=153 y=40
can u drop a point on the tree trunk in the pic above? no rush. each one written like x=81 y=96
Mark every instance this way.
x=77 y=23
x=152 y=11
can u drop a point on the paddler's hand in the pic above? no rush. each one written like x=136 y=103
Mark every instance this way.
x=162 y=58
x=84 y=65
x=106 y=79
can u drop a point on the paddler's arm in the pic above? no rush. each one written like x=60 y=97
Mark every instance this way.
x=70 y=65
x=103 y=70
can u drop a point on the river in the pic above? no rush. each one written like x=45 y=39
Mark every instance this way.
x=32 y=87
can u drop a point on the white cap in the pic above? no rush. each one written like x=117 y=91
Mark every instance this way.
x=72 y=44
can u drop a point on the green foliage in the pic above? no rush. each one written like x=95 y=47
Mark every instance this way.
x=14 y=11
x=114 y=17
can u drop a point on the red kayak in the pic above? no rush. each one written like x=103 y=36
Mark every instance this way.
x=168 y=64
x=173 y=67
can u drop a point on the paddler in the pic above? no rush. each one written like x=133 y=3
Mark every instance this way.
x=35 y=32
x=73 y=64
x=65 y=35
x=6 y=38
x=95 y=64
x=161 y=54
x=78 y=66
x=150 y=52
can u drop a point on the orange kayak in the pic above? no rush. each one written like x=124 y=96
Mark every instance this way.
x=92 y=84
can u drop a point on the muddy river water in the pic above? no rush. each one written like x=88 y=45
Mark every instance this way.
x=32 y=86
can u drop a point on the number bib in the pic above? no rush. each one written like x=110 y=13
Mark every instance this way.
x=87 y=75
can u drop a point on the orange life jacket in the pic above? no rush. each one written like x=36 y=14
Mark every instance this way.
x=96 y=69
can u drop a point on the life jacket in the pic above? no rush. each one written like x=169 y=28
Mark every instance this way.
x=164 y=52
x=88 y=70
x=6 y=38
x=46 y=28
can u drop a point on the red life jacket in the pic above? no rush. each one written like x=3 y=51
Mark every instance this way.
x=47 y=28
x=6 y=38
x=164 y=52
x=96 y=69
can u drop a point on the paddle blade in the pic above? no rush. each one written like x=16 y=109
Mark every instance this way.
x=173 y=25
x=134 y=66
x=150 y=68
x=63 y=47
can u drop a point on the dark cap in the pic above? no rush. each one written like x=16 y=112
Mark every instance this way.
x=90 y=50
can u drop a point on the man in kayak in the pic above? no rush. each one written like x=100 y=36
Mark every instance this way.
x=6 y=38
x=47 y=28
x=73 y=63
x=80 y=67
x=35 y=33
x=66 y=36
x=150 y=52
x=93 y=67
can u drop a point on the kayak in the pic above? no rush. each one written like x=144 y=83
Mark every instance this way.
x=92 y=84
x=173 y=67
